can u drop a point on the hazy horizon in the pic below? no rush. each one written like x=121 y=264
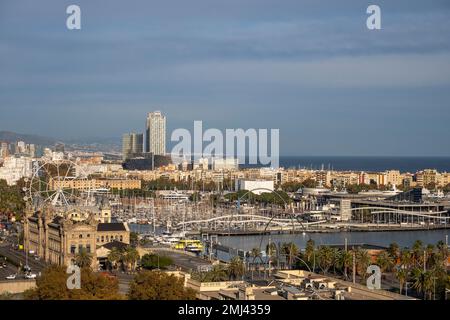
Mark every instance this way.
x=309 y=68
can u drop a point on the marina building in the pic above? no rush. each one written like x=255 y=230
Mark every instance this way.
x=58 y=238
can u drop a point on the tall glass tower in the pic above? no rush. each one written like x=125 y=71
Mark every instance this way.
x=156 y=133
x=132 y=145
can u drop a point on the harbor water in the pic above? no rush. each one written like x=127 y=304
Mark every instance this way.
x=382 y=238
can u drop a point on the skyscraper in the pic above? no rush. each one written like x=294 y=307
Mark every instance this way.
x=156 y=133
x=132 y=145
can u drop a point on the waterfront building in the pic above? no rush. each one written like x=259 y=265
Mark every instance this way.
x=225 y=164
x=57 y=238
x=261 y=186
x=156 y=133
x=393 y=178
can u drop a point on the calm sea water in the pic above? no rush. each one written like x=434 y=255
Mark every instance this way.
x=404 y=164
x=402 y=238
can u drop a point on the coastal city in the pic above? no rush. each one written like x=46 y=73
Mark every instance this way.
x=224 y=159
x=216 y=230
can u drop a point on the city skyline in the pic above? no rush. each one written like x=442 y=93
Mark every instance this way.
x=311 y=69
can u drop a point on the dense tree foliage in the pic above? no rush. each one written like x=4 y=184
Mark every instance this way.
x=153 y=261
x=52 y=285
x=156 y=285
x=11 y=199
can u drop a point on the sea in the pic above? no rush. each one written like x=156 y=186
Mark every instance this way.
x=363 y=163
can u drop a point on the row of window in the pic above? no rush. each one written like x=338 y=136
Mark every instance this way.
x=80 y=236
x=73 y=248
x=110 y=238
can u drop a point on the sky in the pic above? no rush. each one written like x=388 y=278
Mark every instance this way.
x=309 y=68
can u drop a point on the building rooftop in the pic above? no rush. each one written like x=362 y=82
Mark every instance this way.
x=111 y=227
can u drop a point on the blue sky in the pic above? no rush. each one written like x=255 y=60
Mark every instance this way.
x=310 y=68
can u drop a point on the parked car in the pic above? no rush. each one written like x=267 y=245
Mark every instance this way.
x=11 y=277
x=30 y=276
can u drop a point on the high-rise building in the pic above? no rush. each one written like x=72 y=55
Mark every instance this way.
x=4 y=150
x=132 y=145
x=156 y=133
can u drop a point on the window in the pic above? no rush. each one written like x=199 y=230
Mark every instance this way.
x=80 y=236
x=88 y=235
x=80 y=248
x=72 y=249
x=103 y=238
x=88 y=248
x=121 y=238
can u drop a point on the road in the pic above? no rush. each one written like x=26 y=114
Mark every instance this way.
x=18 y=257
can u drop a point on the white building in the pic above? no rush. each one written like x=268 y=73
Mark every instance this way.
x=156 y=133
x=225 y=164
x=259 y=186
x=16 y=168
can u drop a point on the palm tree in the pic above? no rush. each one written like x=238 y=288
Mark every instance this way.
x=417 y=250
x=217 y=273
x=423 y=282
x=131 y=256
x=310 y=251
x=114 y=256
x=83 y=259
x=394 y=251
x=255 y=253
x=325 y=256
x=291 y=251
x=235 y=268
x=406 y=259
x=363 y=260
x=385 y=262
x=401 y=274
x=345 y=261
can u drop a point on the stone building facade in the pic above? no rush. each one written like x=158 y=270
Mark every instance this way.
x=58 y=239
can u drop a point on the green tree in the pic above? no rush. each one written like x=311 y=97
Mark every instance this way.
x=235 y=268
x=83 y=259
x=290 y=250
x=130 y=257
x=325 y=257
x=156 y=285
x=363 y=260
x=52 y=285
x=394 y=251
x=153 y=261
x=345 y=261
x=385 y=262
x=114 y=256
x=401 y=275
x=423 y=282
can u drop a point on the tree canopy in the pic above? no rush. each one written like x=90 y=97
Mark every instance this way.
x=156 y=285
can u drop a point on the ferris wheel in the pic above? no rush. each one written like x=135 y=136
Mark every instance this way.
x=59 y=183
